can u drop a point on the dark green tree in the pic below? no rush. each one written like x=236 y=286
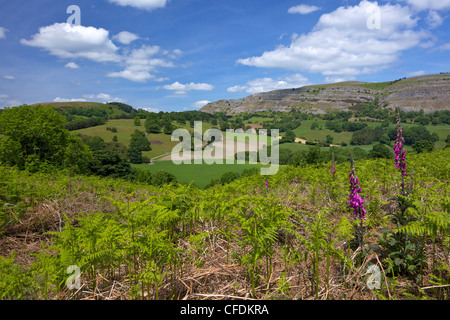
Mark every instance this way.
x=284 y=156
x=95 y=143
x=228 y=177
x=37 y=136
x=418 y=133
x=381 y=150
x=168 y=127
x=297 y=159
x=109 y=163
x=138 y=143
x=313 y=155
x=160 y=178
x=77 y=156
x=11 y=152
x=289 y=136
x=329 y=139
x=423 y=146
x=134 y=155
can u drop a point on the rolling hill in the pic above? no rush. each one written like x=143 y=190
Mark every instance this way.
x=429 y=92
x=107 y=110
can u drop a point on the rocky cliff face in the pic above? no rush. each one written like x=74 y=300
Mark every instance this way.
x=430 y=93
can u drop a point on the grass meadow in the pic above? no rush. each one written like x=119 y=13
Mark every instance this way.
x=199 y=174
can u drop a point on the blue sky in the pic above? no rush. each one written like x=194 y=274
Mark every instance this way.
x=175 y=55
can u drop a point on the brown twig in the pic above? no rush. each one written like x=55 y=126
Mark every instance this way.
x=220 y=296
x=441 y=286
x=385 y=279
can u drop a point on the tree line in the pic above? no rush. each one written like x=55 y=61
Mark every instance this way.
x=35 y=139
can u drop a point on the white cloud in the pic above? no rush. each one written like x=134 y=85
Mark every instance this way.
x=150 y=109
x=141 y=4
x=445 y=46
x=125 y=37
x=430 y=4
x=339 y=79
x=140 y=62
x=72 y=65
x=7 y=101
x=59 y=99
x=341 y=44
x=269 y=84
x=3 y=33
x=199 y=104
x=71 y=41
x=236 y=88
x=303 y=9
x=177 y=52
x=133 y=75
x=417 y=73
x=9 y=77
x=103 y=97
x=180 y=88
x=434 y=19
x=160 y=79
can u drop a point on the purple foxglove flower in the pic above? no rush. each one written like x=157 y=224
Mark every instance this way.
x=333 y=166
x=399 y=151
x=355 y=199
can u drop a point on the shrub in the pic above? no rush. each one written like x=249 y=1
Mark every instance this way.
x=160 y=178
x=228 y=177
x=423 y=146
x=380 y=150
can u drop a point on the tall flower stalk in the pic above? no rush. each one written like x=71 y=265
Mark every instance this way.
x=355 y=199
x=405 y=249
x=400 y=154
x=357 y=203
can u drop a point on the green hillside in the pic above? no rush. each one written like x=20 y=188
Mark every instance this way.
x=111 y=111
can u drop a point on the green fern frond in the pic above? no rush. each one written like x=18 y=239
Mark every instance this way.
x=431 y=223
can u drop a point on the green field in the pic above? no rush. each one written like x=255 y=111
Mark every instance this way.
x=376 y=85
x=160 y=143
x=257 y=120
x=294 y=147
x=200 y=174
x=125 y=128
x=304 y=131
